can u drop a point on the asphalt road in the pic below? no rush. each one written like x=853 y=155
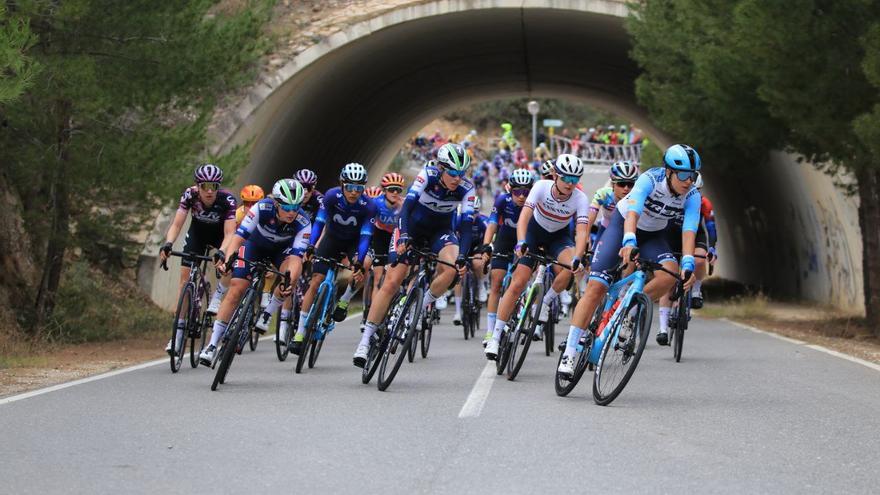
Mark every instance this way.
x=742 y=413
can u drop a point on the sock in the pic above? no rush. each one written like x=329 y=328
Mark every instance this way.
x=499 y=327
x=458 y=305
x=550 y=296
x=349 y=293
x=490 y=322
x=217 y=333
x=574 y=336
x=428 y=299
x=697 y=286
x=664 y=319
x=221 y=289
x=303 y=317
x=369 y=330
x=285 y=315
x=274 y=304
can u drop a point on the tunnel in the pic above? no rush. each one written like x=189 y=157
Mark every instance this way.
x=361 y=93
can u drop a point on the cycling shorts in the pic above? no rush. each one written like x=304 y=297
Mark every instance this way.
x=435 y=241
x=251 y=251
x=551 y=243
x=200 y=240
x=379 y=247
x=675 y=239
x=334 y=248
x=503 y=245
x=652 y=246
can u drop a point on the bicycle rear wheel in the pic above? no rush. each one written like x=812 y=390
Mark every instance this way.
x=380 y=340
x=522 y=339
x=400 y=340
x=184 y=312
x=622 y=350
x=681 y=323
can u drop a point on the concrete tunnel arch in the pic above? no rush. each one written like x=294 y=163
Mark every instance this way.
x=362 y=91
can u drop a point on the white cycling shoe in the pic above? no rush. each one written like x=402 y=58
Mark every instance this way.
x=206 y=357
x=566 y=366
x=263 y=322
x=491 y=350
x=545 y=313
x=282 y=332
x=441 y=303
x=482 y=293
x=456 y=320
x=360 y=356
x=214 y=305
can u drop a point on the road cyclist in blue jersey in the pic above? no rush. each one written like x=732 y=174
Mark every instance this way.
x=478 y=230
x=342 y=230
x=641 y=221
x=275 y=229
x=501 y=235
x=426 y=219
x=543 y=225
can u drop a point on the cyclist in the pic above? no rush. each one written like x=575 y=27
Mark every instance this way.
x=387 y=211
x=249 y=195
x=502 y=227
x=275 y=229
x=213 y=224
x=348 y=214
x=543 y=224
x=478 y=230
x=426 y=217
x=641 y=220
x=623 y=176
x=704 y=251
x=313 y=198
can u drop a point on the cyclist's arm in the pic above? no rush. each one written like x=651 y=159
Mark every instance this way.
x=229 y=229
x=689 y=229
x=582 y=228
x=320 y=221
x=176 y=226
x=412 y=198
x=466 y=224
x=366 y=236
x=523 y=224
x=300 y=241
x=491 y=228
x=635 y=203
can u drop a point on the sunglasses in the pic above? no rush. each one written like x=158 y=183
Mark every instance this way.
x=570 y=179
x=307 y=188
x=209 y=186
x=683 y=176
x=287 y=208
x=626 y=184
x=454 y=173
x=354 y=187
x=394 y=189
x=520 y=191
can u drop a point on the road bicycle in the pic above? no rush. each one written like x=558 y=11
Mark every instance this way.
x=320 y=321
x=282 y=346
x=192 y=301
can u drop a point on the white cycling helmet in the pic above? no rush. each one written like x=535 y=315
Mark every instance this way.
x=623 y=171
x=288 y=191
x=521 y=178
x=353 y=173
x=547 y=167
x=567 y=164
x=454 y=157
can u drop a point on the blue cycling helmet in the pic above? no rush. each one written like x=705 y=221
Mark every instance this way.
x=682 y=157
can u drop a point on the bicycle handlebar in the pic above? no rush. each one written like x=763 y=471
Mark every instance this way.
x=184 y=254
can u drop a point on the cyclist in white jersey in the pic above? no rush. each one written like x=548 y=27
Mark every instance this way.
x=544 y=225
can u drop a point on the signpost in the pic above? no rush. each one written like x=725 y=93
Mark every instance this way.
x=552 y=124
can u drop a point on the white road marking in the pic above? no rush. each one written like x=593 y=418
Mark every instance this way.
x=473 y=406
x=815 y=347
x=148 y=364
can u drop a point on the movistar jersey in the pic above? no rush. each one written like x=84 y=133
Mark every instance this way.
x=346 y=221
x=505 y=214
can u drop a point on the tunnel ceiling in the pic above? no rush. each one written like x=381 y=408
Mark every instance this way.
x=359 y=101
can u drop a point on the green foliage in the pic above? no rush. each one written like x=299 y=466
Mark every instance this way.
x=17 y=70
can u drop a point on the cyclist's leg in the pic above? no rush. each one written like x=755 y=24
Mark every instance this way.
x=673 y=238
x=560 y=247
x=237 y=286
x=503 y=245
x=382 y=297
x=340 y=312
x=535 y=236
x=445 y=246
x=702 y=266
x=655 y=246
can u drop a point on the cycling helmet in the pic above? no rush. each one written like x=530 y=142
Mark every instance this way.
x=252 y=193
x=623 y=171
x=521 y=178
x=208 y=173
x=393 y=179
x=353 y=173
x=699 y=182
x=288 y=191
x=569 y=165
x=453 y=156
x=373 y=191
x=306 y=177
x=547 y=167
x=682 y=157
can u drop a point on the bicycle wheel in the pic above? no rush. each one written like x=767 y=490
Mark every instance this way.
x=466 y=305
x=681 y=323
x=522 y=339
x=311 y=327
x=380 y=340
x=281 y=346
x=315 y=349
x=184 y=312
x=230 y=342
x=622 y=350
x=425 y=336
x=402 y=335
x=550 y=329
x=565 y=385
x=417 y=330
x=506 y=341
x=199 y=332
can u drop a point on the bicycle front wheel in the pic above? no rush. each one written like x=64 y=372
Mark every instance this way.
x=681 y=323
x=425 y=336
x=522 y=339
x=199 y=332
x=182 y=321
x=622 y=350
x=228 y=349
x=401 y=338
x=312 y=326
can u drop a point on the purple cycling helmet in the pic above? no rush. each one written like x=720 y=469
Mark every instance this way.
x=306 y=177
x=208 y=173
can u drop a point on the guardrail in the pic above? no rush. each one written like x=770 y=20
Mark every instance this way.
x=597 y=153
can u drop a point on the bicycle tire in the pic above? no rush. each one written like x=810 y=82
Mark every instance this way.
x=524 y=331
x=425 y=336
x=253 y=335
x=315 y=350
x=378 y=342
x=504 y=343
x=281 y=349
x=681 y=323
x=204 y=322
x=466 y=305
x=228 y=350
x=414 y=343
x=641 y=327
x=550 y=329
x=400 y=338
x=563 y=385
x=184 y=307
x=311 y=327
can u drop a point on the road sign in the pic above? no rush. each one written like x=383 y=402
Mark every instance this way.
x=552 y=123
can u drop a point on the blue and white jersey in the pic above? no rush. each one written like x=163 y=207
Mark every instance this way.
x=386 y=216
x=657 y=205
x=478 y=227
x=430 y=206
x=262 y=228
x=505 y=214
x=344 y=220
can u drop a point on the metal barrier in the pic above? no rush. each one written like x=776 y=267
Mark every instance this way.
x=597 y=153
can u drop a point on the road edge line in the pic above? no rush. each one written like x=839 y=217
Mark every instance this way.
x=473 y=406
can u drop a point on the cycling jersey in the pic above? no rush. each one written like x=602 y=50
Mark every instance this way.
x=430 y=208
x=604 y=203
x=706 y=234
x=657 y=204
x=261 y=227
x=313 y=206
x=386 y=216
x=505 y=214
x=707 y=212
x=208 y=216
x=478 y=229
x=348 y=220
x=552 y=213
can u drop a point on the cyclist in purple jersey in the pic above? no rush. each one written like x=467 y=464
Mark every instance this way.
x=313 y=198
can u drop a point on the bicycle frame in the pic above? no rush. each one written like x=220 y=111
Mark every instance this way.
x=636 y=282
x=329 y=284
